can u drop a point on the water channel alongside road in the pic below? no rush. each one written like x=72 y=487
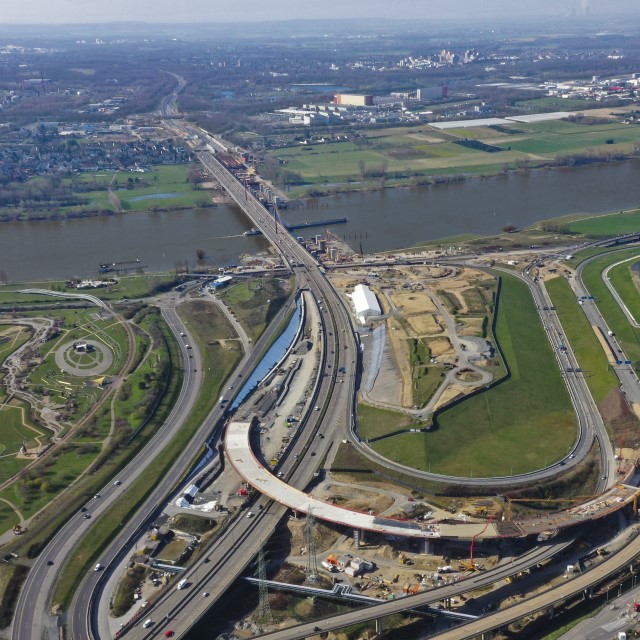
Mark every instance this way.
x=390 y=219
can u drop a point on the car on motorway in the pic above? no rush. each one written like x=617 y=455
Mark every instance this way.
x=280 y=474
x=49 y=563
x=205 y=594
x=98 y=567
x=147 y=623
x=169 y=633
x=250 y=514
x=603 y=477
x=117 y=483
x=86 y=516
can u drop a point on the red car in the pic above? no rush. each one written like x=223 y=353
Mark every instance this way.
x=169 y=634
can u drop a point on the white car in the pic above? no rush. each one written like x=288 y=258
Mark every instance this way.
x=250 y=514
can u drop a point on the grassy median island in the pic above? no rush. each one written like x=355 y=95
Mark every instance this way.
x=521 y=424
x=584 y=342
x=628 y=336
x=625 y=282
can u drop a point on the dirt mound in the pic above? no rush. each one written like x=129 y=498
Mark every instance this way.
x=617 y=414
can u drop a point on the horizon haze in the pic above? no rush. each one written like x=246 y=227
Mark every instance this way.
x=34 y=12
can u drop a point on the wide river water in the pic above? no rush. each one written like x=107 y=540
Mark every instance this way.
x=391 y=219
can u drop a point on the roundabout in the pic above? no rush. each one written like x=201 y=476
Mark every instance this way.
x=84 y=359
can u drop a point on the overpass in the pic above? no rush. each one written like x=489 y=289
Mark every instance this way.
x=582 y=584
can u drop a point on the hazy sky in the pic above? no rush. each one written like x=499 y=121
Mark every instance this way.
x=171 y=11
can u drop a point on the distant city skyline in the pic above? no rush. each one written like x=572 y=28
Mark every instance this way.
x=202 y=11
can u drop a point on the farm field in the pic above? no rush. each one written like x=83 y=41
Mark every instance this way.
x=491 y=438
x=399 y=154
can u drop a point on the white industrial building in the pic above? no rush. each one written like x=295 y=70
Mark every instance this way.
x=365 y=303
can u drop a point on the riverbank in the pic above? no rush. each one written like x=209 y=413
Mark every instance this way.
x=573 y=163
x=426 y=155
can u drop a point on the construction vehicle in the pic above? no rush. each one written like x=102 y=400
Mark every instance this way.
x=471 y=565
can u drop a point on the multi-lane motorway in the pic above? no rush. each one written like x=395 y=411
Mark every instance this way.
x=31 y=619
x=243 y=537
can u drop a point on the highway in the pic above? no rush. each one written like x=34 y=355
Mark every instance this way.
x=95 y=623
x=590 y=424
x=337 y=324
x=337 y=411
x=629 y=383
x=31 y=619
x=237 y=547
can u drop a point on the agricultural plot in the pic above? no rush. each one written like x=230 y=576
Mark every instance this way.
x=398 y=154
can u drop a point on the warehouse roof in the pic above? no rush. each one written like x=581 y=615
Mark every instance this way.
x=365 y=301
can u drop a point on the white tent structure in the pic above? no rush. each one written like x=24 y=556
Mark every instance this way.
x=365 y=303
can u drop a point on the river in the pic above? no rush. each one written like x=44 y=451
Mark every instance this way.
x=398 y=218
x=390 y=219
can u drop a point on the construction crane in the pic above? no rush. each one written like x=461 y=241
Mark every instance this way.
x=471 y=565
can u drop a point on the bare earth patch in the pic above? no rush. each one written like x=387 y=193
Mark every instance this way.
x=424 y=325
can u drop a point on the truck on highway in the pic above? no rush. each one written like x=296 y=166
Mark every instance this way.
x=182 y=584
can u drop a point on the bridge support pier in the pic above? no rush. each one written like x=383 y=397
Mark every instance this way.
x=379 y=628
x=428 y=549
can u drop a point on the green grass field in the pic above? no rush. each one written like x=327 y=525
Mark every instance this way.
x=586 y=346
x=162 y=179
x=374 y=422
x=401 y=153
x=609 y=224
x=256 y=302
x=16 y=428
x=560 y=104
x=208 y=324
x=521 y=424
x=622 y=279
x=612 y=313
